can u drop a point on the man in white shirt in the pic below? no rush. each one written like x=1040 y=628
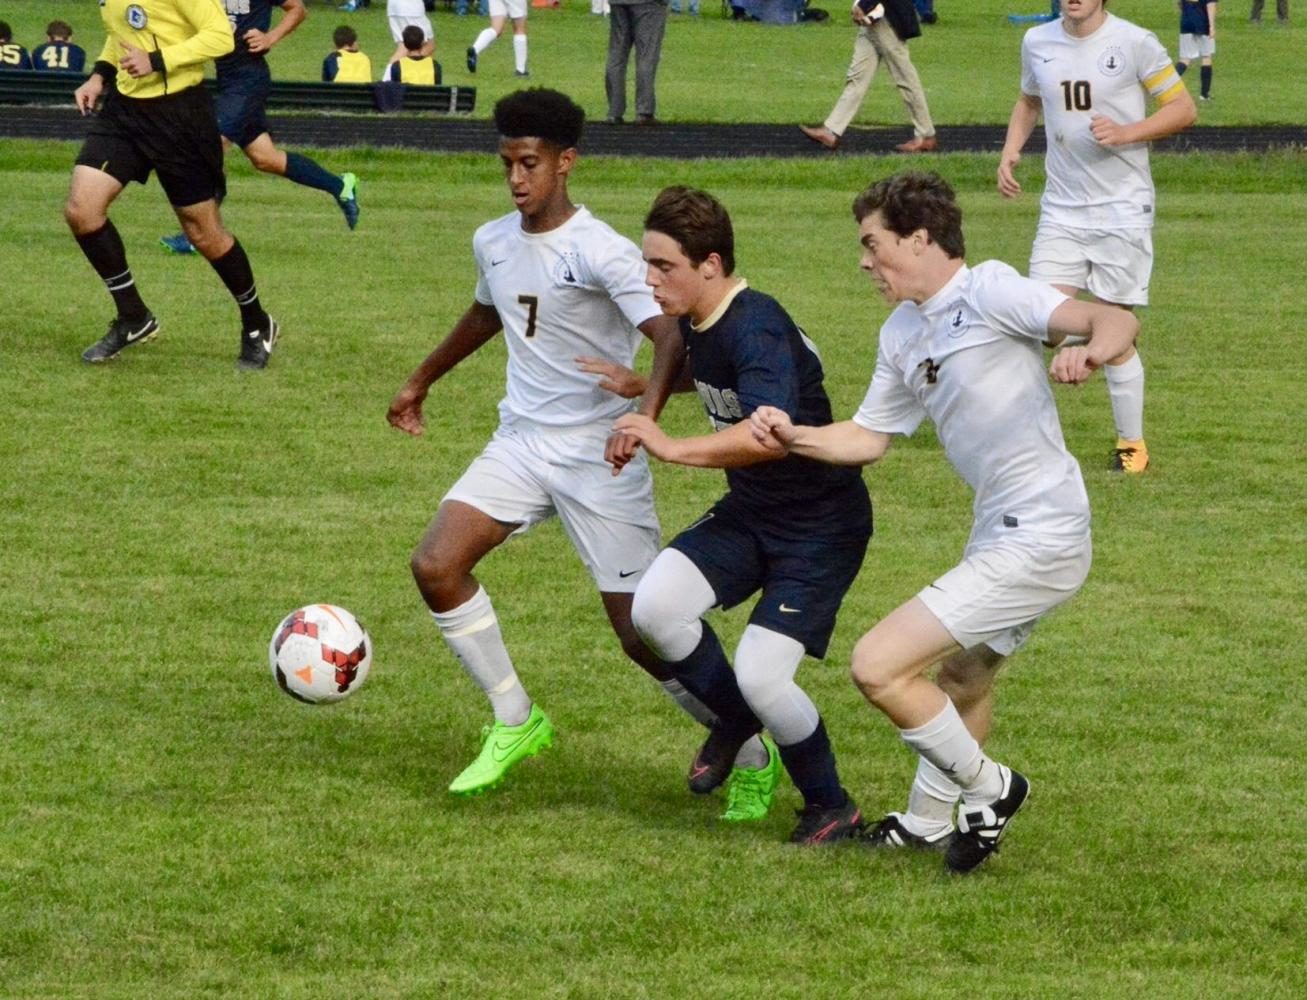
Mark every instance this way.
x=401 y=14
x=965 y=348
x=1090 y=73
x=561 y=286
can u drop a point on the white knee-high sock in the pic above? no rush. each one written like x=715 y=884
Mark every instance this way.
x=484 y=39
x=519 y=53
x=931 y=801
x=1125 y=388
x=946 y=742
x=472 y=632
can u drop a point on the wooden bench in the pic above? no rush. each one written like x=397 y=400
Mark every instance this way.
x=18 y=86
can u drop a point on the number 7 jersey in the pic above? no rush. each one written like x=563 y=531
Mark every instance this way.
x=1111 y=72
x=576 y=290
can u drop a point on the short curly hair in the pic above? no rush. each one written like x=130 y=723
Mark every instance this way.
x=540 y=113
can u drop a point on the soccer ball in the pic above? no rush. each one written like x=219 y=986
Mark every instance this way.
x=320 y=653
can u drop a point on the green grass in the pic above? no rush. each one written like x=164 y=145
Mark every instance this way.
x=716 y=70
x=172 y=826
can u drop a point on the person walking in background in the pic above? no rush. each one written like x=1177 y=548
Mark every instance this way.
x=59 y=54
x=501 y=11
x=639 y=24
x=1198 y=40
x=158 y=116
x=884 y=28
x=1281 y=11
x=1090 y=74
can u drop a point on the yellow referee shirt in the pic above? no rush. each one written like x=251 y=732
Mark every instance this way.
x=185 y=33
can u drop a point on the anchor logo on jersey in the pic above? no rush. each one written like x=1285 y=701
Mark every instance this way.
x=958 y=321
x=1111 y=62
x=564 y=271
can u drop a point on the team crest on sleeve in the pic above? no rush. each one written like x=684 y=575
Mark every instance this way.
x=136 y=16
x=1111 y=61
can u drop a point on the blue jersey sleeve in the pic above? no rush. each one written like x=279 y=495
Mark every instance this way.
x=330 y=67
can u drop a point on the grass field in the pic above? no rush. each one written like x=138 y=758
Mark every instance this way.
x=718 y=70
x=172 y=826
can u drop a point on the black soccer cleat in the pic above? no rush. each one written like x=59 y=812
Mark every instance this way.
x=122 y=334
x=890 y=832
x=256 y=345
x=826 y=826
x=980 y=828
x=471 y=59
x=712 y=764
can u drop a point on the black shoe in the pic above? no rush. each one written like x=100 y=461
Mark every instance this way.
x=122 y=333
x=712 y=764
x=980 y=828
x=825 y=826
x=256 y=345
x=471 y=59
x=890 y=832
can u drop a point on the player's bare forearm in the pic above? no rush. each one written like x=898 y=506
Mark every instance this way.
x=843 y=443
x=1110 y=331
x=731 y=448
x=474 y=329
x=668 y=362
x=1022 y=122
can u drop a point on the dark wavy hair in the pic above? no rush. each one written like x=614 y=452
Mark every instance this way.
x=916 y=200
x=697 y=221
x=540 y=113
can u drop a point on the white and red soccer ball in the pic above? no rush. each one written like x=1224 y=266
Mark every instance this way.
x=320 y=653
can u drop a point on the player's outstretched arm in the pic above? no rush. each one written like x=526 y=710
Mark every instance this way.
x=1110 y=330
x=732 y=448
x=476 y=327
x=843 y=443
x=293 y=13
x=1175 y=115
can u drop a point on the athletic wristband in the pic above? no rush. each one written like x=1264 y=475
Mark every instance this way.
x=106 y=71
x=156 y=61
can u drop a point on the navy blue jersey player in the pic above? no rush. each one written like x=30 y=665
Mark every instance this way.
x=792 y=530
x=243 y=85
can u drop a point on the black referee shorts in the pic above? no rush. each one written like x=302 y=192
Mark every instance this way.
x=176 y=136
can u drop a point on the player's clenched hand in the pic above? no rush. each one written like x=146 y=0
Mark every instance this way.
x=620 y=449
x=614 y=378
x=88 y=93
x=772 y=428
x=646 y=432
x=406 y=411
x=256 y=41
x=1107 y=132
x=135 y=61
x=1008 y=186
x=1072 y=365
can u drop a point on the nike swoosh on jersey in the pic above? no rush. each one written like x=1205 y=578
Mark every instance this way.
x=625 y=575
x=496 y=263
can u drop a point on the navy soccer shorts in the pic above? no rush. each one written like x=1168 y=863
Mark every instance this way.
x=241 y=104
x=803 y=571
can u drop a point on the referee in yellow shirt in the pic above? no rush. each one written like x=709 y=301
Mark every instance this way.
x=158 y=116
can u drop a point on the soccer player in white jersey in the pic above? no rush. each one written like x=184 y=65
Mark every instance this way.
x=501 y=12
x=562 y=286
x=965 y=348
x=1091 y=73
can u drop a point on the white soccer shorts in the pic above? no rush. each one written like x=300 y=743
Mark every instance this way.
x=1196 y=47
x=1112 y=265
x=398 y=23
x=527 y=474
x=997 y=593
x=515 y=9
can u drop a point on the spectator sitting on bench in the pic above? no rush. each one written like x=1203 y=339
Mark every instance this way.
x=415 y=68
x=12 y=55
x=347 y=64
x=58 y=54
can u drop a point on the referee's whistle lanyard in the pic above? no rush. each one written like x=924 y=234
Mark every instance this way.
x=164 y=71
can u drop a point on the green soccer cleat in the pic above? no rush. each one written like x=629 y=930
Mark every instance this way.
x=503 y=747
x=749 y=792
x=348 y=199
